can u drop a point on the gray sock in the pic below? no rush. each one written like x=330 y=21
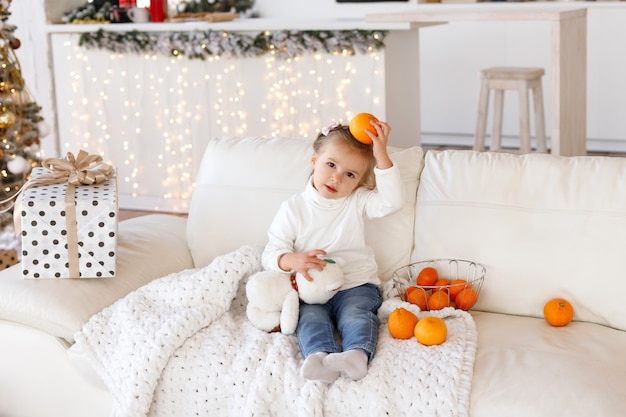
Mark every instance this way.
x=352 y=362
x=314 y=369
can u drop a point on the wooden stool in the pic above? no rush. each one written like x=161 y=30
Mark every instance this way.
x=513 y=78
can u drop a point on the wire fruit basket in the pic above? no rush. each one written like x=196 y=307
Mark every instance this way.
x=457 y=283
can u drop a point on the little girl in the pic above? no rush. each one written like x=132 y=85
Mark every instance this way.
x=350 y=181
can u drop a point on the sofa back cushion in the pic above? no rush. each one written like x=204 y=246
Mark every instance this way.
x=242 y=182
x=543 y=226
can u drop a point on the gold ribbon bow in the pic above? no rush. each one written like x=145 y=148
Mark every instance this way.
x=84 y=169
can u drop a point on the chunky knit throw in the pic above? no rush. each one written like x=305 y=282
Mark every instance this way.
x=182 y=345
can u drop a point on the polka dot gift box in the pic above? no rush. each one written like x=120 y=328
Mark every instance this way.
x=69 y=219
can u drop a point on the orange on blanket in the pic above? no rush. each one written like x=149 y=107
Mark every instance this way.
x=401 y=323
x=431 y=331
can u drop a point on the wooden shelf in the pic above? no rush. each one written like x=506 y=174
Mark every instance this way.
x=237 y=25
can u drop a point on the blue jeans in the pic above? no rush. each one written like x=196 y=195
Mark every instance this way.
x=354 y=311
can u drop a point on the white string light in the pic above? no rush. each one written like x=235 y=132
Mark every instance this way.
x=151 y=116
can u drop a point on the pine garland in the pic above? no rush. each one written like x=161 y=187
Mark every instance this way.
x=204 y=44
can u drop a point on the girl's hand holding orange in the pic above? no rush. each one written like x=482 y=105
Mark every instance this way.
x=362 y=128
x=367 y=129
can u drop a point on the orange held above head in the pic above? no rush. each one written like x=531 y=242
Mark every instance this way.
x=359 y=124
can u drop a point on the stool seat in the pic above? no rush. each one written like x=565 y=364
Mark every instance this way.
x=512 y=73
x=522 y=80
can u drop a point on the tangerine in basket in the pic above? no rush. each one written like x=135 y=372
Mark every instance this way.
x=466 y=298
x=431 y=331
x=558 y=312
x=438 y=300
x=408 y=291
x=427 y=277
x=419 y=297
x=442 y=283
x=401 y=323
x=456 y=286
x=359 y=124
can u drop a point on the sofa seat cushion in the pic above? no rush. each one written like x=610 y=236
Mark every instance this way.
x=149 y=247
x=543 y=226
x=524 y=367
x=242 y=182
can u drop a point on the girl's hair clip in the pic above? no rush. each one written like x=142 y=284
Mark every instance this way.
x=326 y=130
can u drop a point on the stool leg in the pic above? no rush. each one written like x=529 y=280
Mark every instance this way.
x=481 y=123
x=496 y=135
x=540 y=124
x=524 y=117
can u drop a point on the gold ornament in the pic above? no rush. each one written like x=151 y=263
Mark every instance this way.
x=7 y=119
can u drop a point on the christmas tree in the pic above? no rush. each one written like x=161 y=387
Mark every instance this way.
x=21 y=125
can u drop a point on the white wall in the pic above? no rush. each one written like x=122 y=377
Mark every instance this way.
x=606 y=66
x=450 y=74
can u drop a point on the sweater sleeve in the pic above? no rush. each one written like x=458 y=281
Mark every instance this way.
x=281 y=237
x=389 y=195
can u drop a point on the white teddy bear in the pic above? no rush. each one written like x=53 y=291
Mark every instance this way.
x=274 y=303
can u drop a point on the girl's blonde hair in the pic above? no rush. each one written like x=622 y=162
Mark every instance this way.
x=342 y=133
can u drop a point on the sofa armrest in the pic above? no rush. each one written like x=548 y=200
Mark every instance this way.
x=149 y=247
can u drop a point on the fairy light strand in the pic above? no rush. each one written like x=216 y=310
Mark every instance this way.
x=151 y=114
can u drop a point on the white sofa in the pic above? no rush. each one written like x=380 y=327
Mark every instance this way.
x=543 y=227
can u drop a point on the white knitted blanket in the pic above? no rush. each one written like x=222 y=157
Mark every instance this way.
x=182 y=346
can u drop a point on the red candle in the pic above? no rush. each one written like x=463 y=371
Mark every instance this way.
x=127 y=4
x=157 y=10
